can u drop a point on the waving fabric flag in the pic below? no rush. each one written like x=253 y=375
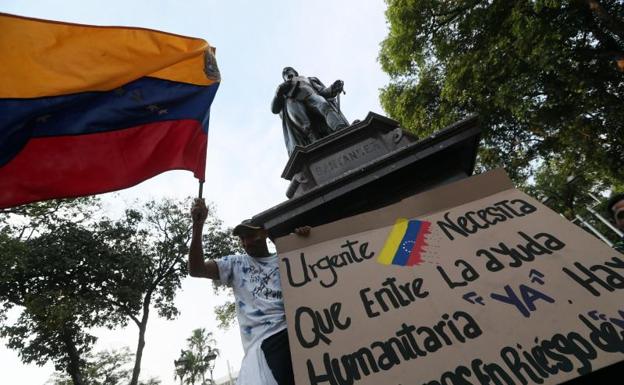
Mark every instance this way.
x=86 y=110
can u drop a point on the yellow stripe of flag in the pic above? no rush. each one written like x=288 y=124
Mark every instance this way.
x=392 y=243
x=45 y=58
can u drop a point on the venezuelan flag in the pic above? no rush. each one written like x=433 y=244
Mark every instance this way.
x=86 y=109
x=405 y=243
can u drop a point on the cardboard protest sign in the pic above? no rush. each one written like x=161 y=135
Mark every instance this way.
x=471 y=283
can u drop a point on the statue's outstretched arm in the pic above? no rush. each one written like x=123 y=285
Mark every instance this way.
x=333 y=90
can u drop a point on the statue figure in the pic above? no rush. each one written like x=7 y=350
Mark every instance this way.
x=308 y=109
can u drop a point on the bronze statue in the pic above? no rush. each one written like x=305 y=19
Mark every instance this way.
x=308 y=109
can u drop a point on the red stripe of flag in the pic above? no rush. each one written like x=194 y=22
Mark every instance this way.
x=415 y=257
x=71 y=166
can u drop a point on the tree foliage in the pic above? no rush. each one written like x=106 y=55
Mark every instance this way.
x=63 y=273
x=109 y=367
x=197 y=359
x=47 y=274
x=575 y=193
x=545 y=76
x=226 y=314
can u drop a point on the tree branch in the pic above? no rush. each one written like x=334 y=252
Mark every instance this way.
x=614 y=25
x=125 y=309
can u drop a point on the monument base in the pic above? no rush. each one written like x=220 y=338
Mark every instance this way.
x=366 y=166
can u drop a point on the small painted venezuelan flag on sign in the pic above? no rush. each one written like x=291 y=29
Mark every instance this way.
x=405 y=244
x=86 y=110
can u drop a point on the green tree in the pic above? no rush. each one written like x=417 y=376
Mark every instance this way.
x=574 y=193
x=197 y=359
x=225 y=314
x=545 y=76
x=112 y=367
x=47 y=275
x=565 y=188
x=65 y=274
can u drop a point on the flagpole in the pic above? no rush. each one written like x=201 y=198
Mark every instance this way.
x=201 y=188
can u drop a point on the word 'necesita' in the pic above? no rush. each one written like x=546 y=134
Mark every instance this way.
x=348 y=254
x=473 y=221
x=408 y=343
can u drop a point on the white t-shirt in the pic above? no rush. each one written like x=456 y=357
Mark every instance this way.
x=259 y=308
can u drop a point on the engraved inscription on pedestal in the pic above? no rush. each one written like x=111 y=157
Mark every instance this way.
x=342 y=152
x=328 y=168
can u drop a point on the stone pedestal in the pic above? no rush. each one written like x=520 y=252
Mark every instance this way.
x=368 y=165
x=347 y=150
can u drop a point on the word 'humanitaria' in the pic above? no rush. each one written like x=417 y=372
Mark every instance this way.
x=409 y=343
x=345 y=256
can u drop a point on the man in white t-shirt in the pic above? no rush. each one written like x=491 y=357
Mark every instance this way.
x=254 y=278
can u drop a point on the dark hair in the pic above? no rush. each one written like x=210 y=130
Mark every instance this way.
x=289 y=68
x=615 y=198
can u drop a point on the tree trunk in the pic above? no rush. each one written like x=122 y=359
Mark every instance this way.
x=73 y=367
x=141 y=344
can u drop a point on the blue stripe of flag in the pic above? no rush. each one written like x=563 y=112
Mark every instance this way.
x=407 y=243
x=143 y=101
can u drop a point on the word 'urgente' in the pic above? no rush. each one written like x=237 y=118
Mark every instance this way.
x=345 y=256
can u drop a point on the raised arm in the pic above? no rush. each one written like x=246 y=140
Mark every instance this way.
x=197 y=267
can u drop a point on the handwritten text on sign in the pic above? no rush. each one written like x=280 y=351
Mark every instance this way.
x=498 y=291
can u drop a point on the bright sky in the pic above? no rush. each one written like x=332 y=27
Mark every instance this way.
x=328 y=39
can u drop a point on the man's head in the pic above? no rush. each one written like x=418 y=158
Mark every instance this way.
x=615 y=206
x=289 y=73
x=253 y=238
